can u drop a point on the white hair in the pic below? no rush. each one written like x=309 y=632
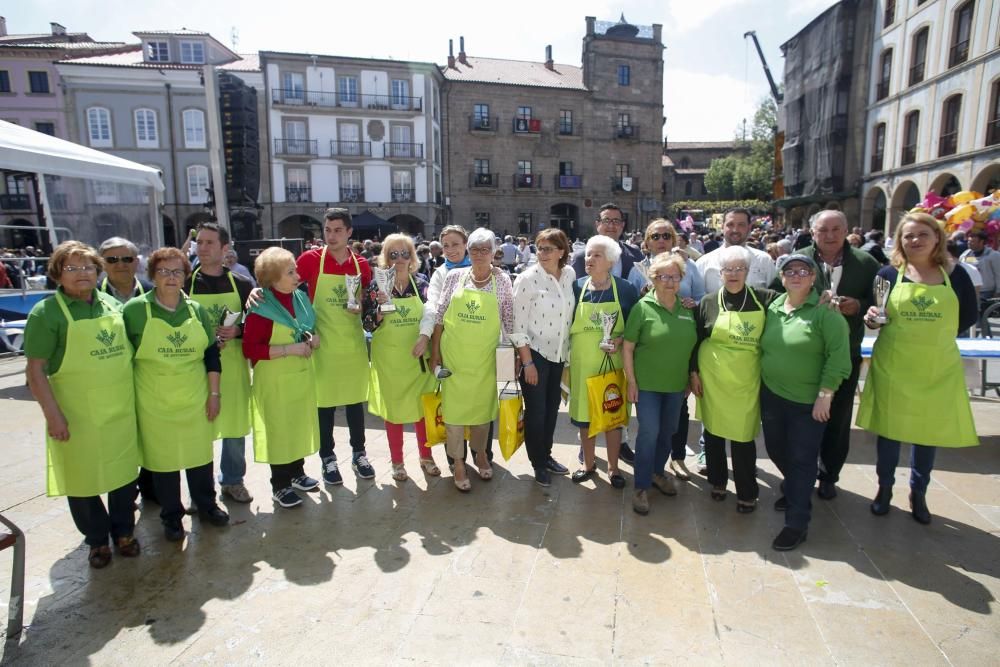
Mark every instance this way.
x=814 y=220
x=118 y=242
x=435 y=244
x=482 y=236
x=734 y=253
x=611 y=249
x=785 y=245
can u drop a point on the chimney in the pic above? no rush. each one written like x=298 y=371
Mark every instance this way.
x=548 y=58
x=58 y=29
x=461 y=51
x=3 y=27
x=657 y=33
x=591 y=21
x=451 y=54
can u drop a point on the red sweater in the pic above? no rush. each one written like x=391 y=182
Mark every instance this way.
x=308 y=268
x=257 y=331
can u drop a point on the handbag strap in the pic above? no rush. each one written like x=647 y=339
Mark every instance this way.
x=607 y=365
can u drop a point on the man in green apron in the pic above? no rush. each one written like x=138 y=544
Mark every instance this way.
x=222 y=292
x=342 y=370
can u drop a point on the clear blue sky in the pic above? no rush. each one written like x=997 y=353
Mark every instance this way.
x=712 y=77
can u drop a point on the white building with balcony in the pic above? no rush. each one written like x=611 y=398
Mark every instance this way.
x=933 y=123
x=360 y=133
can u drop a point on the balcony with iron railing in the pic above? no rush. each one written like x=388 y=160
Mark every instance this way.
x=403 y=151
x=909 y=155
x=948 y=144
x=296 y=147
x=570 y=129
x=527 y=126
x=570 y=182
x=483 y=180
x=527 y=181
x=298 y=194
x=618 y=184
x=358 y=149
x=958 y=53
x=403 y=195
x=483 y=123
x=626 y=131
x=352 y=195
x=15 y=202
x=916 y=74
x=878 y=160
x=297 y=97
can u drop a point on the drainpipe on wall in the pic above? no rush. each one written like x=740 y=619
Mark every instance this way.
x=173 y=162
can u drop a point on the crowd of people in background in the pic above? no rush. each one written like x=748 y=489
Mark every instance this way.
x=763 y=327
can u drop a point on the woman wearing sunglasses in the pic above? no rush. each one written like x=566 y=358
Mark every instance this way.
x=177 y=375
x=399 y=373
x=661 y=237
x=805 y=355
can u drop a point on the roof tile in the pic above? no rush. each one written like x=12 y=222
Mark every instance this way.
x=515 y=73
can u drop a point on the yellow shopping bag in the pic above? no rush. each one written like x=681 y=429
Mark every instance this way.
x=511 y=421
x=606 y=399
x=433 y=421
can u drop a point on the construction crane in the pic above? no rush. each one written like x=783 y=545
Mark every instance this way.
x=775 y=93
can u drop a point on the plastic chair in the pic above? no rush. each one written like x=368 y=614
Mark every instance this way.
x=989 y=327
x=11 y=536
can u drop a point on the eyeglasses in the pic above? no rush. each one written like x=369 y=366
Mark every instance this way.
x=614 y=222
x=114 y=260
x=656 y=236
x=396 y=254
x=801 y=273
x=480 y=250
x=733 y=269
x=664 y=278
x=90 y=268
x=167 y=273
x=546 y=249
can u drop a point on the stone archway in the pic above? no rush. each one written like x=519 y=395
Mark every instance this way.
x=169 y=232
x=300 y=227
x=873 y=215
x=408 y=224
x=905 y=196
x=945 y=184
x=20 y=238
x=987 y=180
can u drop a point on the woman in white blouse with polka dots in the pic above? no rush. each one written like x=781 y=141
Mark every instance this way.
x=543 y=311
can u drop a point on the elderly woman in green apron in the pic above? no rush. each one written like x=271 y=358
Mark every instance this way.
x=726 y=376
x=476 y=306
x=279 y=338
x=177 y=377
x=916 y=368
x=399 y=376
x=599 y=291
x=77 y=349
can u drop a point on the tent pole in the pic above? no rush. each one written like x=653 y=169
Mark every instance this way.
x=155 y=203
x=44 y=210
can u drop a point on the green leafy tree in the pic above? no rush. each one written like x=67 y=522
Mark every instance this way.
x=749 y=174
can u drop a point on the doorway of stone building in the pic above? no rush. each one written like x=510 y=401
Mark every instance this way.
x=566 y=218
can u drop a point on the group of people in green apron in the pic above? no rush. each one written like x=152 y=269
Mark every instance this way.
x=154 y=382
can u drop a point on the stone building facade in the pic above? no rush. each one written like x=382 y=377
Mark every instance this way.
x=685 y=164
x=537 y=144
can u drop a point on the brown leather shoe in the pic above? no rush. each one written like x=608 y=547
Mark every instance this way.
x=128 y=547
x=99 y=557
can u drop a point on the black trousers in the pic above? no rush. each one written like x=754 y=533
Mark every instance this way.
x=678 y=443
x=97 y=523
x=744 y=465
x=282 y=474
x=541 y=409
x=201 y=484
x=837 y=437
x=144 y=485
x=355 y=424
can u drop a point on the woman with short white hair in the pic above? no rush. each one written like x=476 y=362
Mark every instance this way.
x=475 y=310
x=599 y=291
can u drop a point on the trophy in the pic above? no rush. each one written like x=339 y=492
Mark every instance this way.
x=353 y=284
x=228 y=318
x=833 y=275
x=385 y=279
x=881 y=291
x=608 y=321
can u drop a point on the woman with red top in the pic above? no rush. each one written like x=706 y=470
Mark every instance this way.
x=279 y=337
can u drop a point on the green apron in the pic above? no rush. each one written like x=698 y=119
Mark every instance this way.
x=585 y=353
x=94 y=390
x=234 y=416
x=397 y=378
x=468 y=348
x=915 y=390
x=729 y=367
x=341 y=360
x=171 y=389
x=284 y=405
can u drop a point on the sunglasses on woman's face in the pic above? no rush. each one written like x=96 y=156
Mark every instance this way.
x=656 y=236
x=396 y=254
x=114 y=260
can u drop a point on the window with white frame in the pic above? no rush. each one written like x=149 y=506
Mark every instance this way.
x=158 y=52
x=400 y=93
x=146 y=135
x=197 y=180
x=99 y=127
x=194 y=128
x=347 y=88
x=193 y=53
x=105 y=192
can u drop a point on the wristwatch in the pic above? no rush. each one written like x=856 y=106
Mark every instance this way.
x=824 y=394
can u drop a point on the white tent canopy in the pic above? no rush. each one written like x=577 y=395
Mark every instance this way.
x=25 y=150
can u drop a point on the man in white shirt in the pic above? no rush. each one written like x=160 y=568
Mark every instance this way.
x=509 y=254
x=735 y=230
x=986 y=260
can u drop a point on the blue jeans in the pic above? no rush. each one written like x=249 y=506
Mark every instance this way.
x=658 y=413
x=921 y=464
x=233 y=462
x=792 y=438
